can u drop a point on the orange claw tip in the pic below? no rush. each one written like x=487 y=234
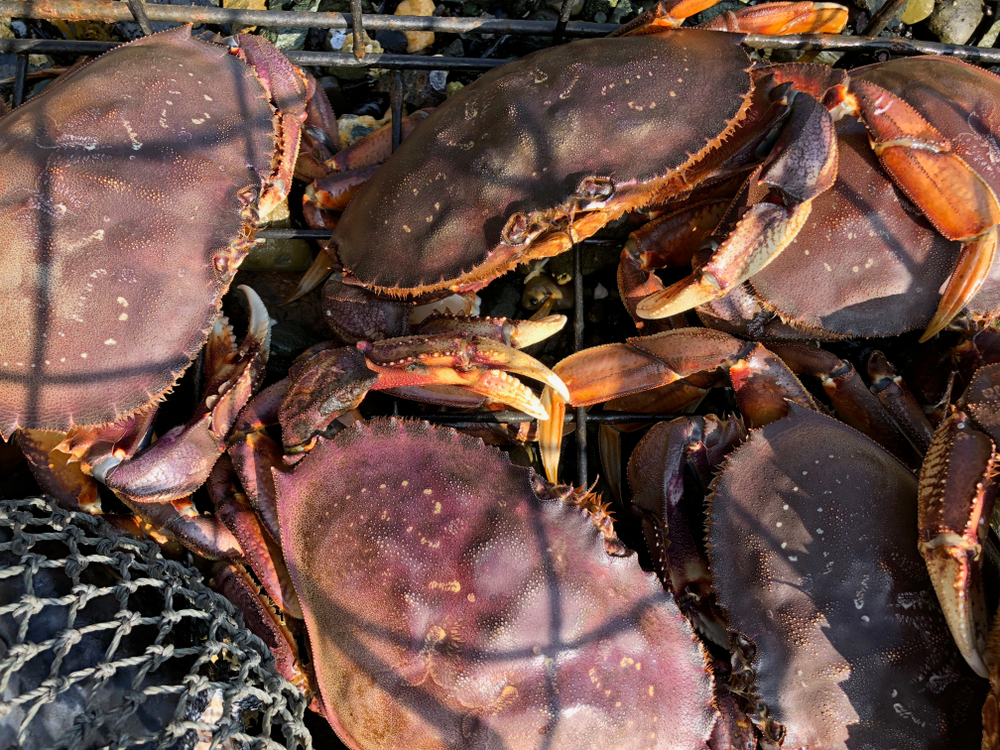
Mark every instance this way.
x=550 y=433
x=970 y=272
x=494 y=354
x=949 y=564
x=695 y=290
x=312 y=278
x=527 y=332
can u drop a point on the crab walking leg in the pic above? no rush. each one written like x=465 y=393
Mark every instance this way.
x=801 y=166
x=897 y=399
x=854 y=403
x=182 y=459
x=656 y=473
x=261 y=551
x=233 y=582
x=764 y=386
x=766 y=18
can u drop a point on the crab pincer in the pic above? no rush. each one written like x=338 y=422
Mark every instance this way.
x=929 y=151
x=957 y=493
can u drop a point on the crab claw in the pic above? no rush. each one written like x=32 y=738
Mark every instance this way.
x=954 y=500
x=181 y=460
x=970 y=272
x=473 y=362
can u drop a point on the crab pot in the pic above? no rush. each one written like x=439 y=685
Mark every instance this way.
x=105 y=643
x=80 y=603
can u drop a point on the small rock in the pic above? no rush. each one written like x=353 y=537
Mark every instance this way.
x=953 y=22
x=990 y=37
x=439 y=80
x=600 y=292
x=351 y=128
x=917 y=10
x=417 y=40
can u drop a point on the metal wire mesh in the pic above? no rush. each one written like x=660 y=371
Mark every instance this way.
x=104 y=643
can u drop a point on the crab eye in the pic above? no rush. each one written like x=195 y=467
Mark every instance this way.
x=516 y=230
x=595 y=189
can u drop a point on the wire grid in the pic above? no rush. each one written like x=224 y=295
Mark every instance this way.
x=104 y=643
x=142 y=14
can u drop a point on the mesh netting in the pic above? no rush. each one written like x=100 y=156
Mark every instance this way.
x=104 y=643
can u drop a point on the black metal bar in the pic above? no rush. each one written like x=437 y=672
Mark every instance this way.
x=324 y=234
x=20 y=76
x=875 y=27
x=881 y=19
x=338 y=59
x=358 y=27
x=73 y=10
x=578 y=323
x=396 y=103
x=139 y=14
x=819 y=42
x=894 y=46
x=564 y=13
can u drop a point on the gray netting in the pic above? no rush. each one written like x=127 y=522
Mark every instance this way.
x=104 y=643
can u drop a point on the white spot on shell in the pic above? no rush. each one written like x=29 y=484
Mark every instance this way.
x=110 y=342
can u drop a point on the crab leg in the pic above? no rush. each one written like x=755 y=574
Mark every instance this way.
x=262 y=552
x=234 y=583
x=656 y=474
x=956 y=494
x=854 y=403
x=801 y=166
x=949 y=193
x=892 y=391
x=181 y=460
x=764 y=385
x=766 y=18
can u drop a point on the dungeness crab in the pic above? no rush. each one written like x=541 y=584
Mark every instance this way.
x=543 y=152
x=454 y=600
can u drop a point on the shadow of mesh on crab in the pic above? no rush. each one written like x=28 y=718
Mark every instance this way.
x=104 y=643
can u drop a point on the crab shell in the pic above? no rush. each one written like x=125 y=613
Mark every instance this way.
x=813 y=544
x=454 y=600
x=867 y=263
x=127 y=195
x=528 y=137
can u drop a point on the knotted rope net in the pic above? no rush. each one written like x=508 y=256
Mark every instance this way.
x=106 y=644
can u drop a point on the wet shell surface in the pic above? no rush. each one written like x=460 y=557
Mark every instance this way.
x=523 y=137
x=813 y=544
x=454 y=600
x=124 y=198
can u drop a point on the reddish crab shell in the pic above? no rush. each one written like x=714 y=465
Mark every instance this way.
x=453 y=599
x=551 y=133
x=867 y=263
x=813 y=544
x=126 y=196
